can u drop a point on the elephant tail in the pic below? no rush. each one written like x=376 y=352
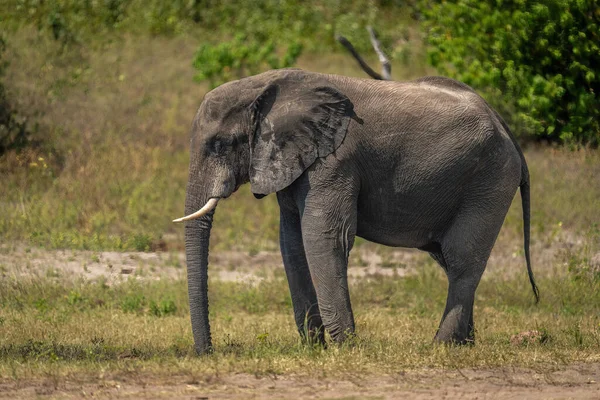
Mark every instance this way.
x=526 y=205
x=525 y=201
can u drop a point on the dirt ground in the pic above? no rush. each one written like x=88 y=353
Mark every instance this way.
x=572 y=382
x=225 y=265
x=114 y=267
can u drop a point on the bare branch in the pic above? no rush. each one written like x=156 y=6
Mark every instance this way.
x=386 y=67
x=358 y=58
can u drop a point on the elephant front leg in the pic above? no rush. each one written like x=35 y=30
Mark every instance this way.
x=327 y=247
x=304 y=298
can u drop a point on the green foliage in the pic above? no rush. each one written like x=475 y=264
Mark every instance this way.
x=133 y=302
x=238 y=38
x=74 y=298
x=13 y=133
x=273 y=34
x=240 y=57
x=284 y=21
x=141 y=242
x=540 y=59
x=162 y=308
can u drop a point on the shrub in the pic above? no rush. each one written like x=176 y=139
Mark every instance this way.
x=133 y=303
x=536 y=59
x=241 y=56
x=273 y=33
x=163 y=308
x=12 y=126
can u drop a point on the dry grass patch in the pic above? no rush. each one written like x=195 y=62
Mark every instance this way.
x=87 y=327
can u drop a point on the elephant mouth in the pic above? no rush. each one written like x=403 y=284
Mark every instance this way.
x=207 y=208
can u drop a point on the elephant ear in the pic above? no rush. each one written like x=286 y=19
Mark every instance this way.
x=296 y=120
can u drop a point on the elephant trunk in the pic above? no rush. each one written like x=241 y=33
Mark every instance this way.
x=197 y=236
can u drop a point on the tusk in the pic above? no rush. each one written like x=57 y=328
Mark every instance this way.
x=208 y=207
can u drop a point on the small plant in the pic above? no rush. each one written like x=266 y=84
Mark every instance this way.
x=41 y=305
x=141 y=242
x=74 y=298
x=582 y=263
x=577 y=335
x=162 y=308
x=530 y=337
x=262 y=337
x=53 y=273
x=133 y=303
x=253 y=251
x=173 y=260
x=13 y=132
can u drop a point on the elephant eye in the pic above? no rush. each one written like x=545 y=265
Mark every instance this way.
x=220 y=145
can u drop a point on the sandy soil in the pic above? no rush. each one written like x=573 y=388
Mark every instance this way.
x=226 y=265
x=18 y=262
x=572 y=382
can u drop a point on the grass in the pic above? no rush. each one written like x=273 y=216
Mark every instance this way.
x=72 y=327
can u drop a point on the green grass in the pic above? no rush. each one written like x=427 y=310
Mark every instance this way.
x=76 y=326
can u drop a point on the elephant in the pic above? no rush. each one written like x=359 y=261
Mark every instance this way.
x=423 y=164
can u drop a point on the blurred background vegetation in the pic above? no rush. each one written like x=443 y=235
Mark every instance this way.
x=96 y=98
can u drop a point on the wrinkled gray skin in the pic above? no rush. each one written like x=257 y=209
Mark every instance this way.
x=424 y=164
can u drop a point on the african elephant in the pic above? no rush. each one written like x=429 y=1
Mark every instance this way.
x=424 y=164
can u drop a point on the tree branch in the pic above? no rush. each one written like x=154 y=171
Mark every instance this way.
x=386 y=67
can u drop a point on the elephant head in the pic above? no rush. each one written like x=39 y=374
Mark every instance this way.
x=266 y=130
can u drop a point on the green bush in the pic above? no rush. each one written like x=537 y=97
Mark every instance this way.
x=133 y=302
x=13 y=133
x=273 y=33
x=536 y=60
x=162 y=308
x=241 y=57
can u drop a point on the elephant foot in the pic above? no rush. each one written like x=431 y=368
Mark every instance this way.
x=455 y=341
x=456 y=328
x=339 y=335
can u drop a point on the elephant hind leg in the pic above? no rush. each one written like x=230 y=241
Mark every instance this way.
x=435 y=251
x=464 y=274
x=465 y=249
x=457 y=322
